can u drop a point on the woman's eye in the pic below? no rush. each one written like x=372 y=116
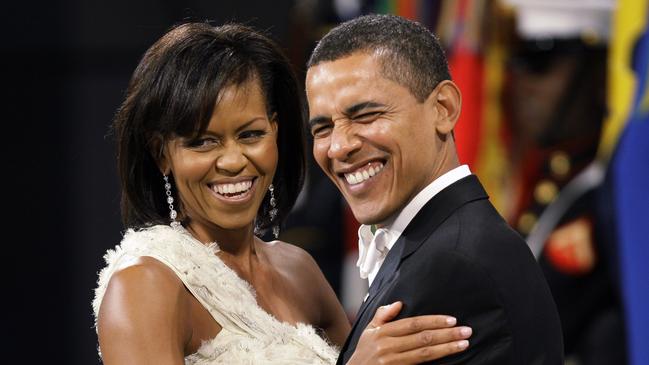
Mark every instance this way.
x=202 y=143
x=253 y=134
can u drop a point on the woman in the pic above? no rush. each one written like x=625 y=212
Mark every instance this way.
x=210 y=150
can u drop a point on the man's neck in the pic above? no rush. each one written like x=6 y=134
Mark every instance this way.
x=402 y=218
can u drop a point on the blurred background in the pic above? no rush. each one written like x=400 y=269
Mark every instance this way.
x=555 y=122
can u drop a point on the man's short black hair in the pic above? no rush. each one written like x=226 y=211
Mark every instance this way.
x=408 y=52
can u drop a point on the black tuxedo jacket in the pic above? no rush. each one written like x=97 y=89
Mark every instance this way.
x=459 y=257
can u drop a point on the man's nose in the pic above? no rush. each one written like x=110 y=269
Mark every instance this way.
x=232 y=159
x=344 y=142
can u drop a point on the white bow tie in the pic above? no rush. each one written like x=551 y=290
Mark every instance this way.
x=372 y=251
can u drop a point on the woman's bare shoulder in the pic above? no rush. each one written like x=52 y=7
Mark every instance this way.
x=143 y=273
x=291 y=257
x=145 y=306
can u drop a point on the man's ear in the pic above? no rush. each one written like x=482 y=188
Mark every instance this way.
x=447 y=100
x=159 y=152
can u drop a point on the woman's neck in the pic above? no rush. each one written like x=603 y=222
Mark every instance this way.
x=238 y=243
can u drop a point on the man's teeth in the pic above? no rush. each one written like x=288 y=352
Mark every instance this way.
x=359 y=176
x=239 y=187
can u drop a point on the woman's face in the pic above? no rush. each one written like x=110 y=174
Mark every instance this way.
x=223 y=175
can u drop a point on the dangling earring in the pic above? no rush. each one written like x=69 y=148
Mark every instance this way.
x=273 y=211
x=170 y=201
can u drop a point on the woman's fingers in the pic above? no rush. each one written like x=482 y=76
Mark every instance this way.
x=427 y=353
x=409 y=340
x=426 y=339
x=407 y=326
x=384 y=314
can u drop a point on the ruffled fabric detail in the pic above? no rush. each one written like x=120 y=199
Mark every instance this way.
x=250 y=335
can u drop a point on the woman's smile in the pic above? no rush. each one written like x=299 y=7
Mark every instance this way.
x=235 y=192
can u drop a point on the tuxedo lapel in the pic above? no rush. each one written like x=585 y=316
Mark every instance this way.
x=438 y=209
x=385 y=274
x=434 y=212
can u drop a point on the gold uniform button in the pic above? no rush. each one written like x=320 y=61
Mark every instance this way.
x=560 y=164
x=526 y=222
x=545 y=192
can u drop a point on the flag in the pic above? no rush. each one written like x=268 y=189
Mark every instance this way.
x=626 y=134
x=466 y=66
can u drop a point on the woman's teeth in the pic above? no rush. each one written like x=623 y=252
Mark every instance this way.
x=364 y=174
x=238 y=188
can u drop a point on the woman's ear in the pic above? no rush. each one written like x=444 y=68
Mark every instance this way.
x=447 y=100
x=159 y=152
x=273 y=123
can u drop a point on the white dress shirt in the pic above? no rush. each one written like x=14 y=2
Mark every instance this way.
x=373 y=248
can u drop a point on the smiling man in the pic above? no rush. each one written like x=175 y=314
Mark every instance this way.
x=382 y=108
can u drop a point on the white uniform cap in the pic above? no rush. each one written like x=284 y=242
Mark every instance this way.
x=537 y=19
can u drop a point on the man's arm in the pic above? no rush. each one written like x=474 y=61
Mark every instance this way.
x=453 y=284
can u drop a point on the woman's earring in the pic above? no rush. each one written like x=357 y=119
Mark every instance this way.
x=273 y=211
x=170 y=201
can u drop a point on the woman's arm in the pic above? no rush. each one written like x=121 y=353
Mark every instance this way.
x=331 y=317
x=144 y=316
x=334 y=321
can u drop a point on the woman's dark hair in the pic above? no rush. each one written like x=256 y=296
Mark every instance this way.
x=173 y=93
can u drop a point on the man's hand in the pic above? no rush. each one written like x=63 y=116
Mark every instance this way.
x=409 y=340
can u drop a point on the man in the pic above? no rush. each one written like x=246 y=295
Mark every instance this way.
x=382 y=111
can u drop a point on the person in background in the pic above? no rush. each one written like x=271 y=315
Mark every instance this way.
x=555 y=108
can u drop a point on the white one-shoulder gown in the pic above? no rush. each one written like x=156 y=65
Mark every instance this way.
x=250 y=335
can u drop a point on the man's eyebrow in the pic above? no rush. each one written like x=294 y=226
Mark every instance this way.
x=349 y=111
x=360 y=106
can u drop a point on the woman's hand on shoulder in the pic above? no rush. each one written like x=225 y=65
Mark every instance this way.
x=410 y=340
x=144 y=316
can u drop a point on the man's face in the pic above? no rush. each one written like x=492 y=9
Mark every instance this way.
x=372 y=137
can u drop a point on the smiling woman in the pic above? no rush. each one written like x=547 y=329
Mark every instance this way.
x=224 y=173
x=174 y=92
x=215 y=111
x=210 y=151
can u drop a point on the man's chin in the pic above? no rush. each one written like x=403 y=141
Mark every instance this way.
x=370 y=216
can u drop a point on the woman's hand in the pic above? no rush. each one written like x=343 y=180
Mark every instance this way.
x=409 y=340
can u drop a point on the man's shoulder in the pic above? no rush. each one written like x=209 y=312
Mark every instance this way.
x=472 y=227
x=475 y=267
x=483 y=232
x=476 y=238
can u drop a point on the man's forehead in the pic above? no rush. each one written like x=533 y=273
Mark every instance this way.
x=355 y=65
x=374 y=55
x=345 y=97
x=342 y=96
